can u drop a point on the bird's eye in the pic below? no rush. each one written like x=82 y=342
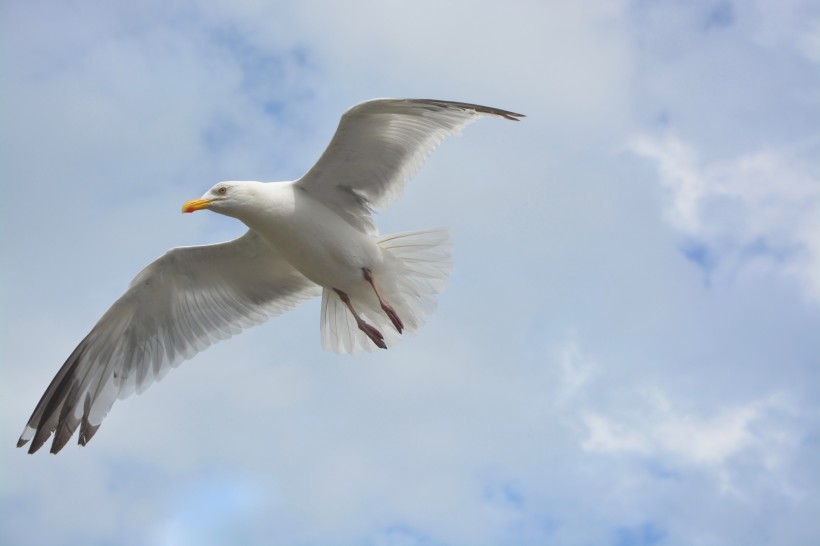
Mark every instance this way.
x=222 y=190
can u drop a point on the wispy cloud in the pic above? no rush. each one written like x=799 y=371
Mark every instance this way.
x=757 y=212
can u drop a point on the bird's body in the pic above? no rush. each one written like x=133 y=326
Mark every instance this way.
x=308 y=237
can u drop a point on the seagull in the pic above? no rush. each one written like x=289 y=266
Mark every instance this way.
x=309 y=237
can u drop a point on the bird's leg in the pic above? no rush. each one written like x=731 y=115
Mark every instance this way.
x=386 y=307
x=373 y=333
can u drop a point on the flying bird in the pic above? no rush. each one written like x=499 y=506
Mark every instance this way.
x=306 y=237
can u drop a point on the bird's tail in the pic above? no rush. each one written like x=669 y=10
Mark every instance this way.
x=416 y=267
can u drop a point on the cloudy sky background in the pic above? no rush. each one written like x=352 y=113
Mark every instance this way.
x=629 y=349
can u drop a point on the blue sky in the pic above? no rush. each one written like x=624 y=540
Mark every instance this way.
x=627 y=353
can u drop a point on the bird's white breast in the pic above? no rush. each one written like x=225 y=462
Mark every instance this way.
x=312 y=237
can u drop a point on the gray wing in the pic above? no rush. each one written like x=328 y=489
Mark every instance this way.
x=180 y=304
x=378 y=146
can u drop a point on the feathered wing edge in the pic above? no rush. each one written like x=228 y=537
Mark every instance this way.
x=378 y=146
x=177 y=306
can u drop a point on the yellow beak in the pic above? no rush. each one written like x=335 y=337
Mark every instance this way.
x=196 y=204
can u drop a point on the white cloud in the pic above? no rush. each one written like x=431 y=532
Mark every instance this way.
x=678 y=168
x=611 y=437
x=663 y=429
x=728 y=444
x=575 y=373
x=754 y=212
x=794 y=23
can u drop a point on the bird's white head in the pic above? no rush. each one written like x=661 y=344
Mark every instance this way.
x=225 y=198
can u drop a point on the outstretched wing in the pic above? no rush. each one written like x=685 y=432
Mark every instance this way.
x=180 y=304
x=378 y=146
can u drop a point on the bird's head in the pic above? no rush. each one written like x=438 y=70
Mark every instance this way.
x=224 y=198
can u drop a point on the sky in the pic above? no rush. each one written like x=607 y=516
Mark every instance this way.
x=628 y=351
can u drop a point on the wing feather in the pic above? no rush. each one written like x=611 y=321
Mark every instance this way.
x=177 y=306
x=378 y=146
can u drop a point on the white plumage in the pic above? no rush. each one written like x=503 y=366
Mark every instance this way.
x=309 y=237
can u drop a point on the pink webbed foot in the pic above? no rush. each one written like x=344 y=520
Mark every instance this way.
x=386 y=307
x=371 y=331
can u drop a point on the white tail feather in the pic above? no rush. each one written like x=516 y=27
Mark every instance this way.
x=416 y=267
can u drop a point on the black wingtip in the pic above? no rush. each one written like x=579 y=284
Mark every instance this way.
x=87 y=431
x=40 y=438
x=58 y=443
x=506 y=114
